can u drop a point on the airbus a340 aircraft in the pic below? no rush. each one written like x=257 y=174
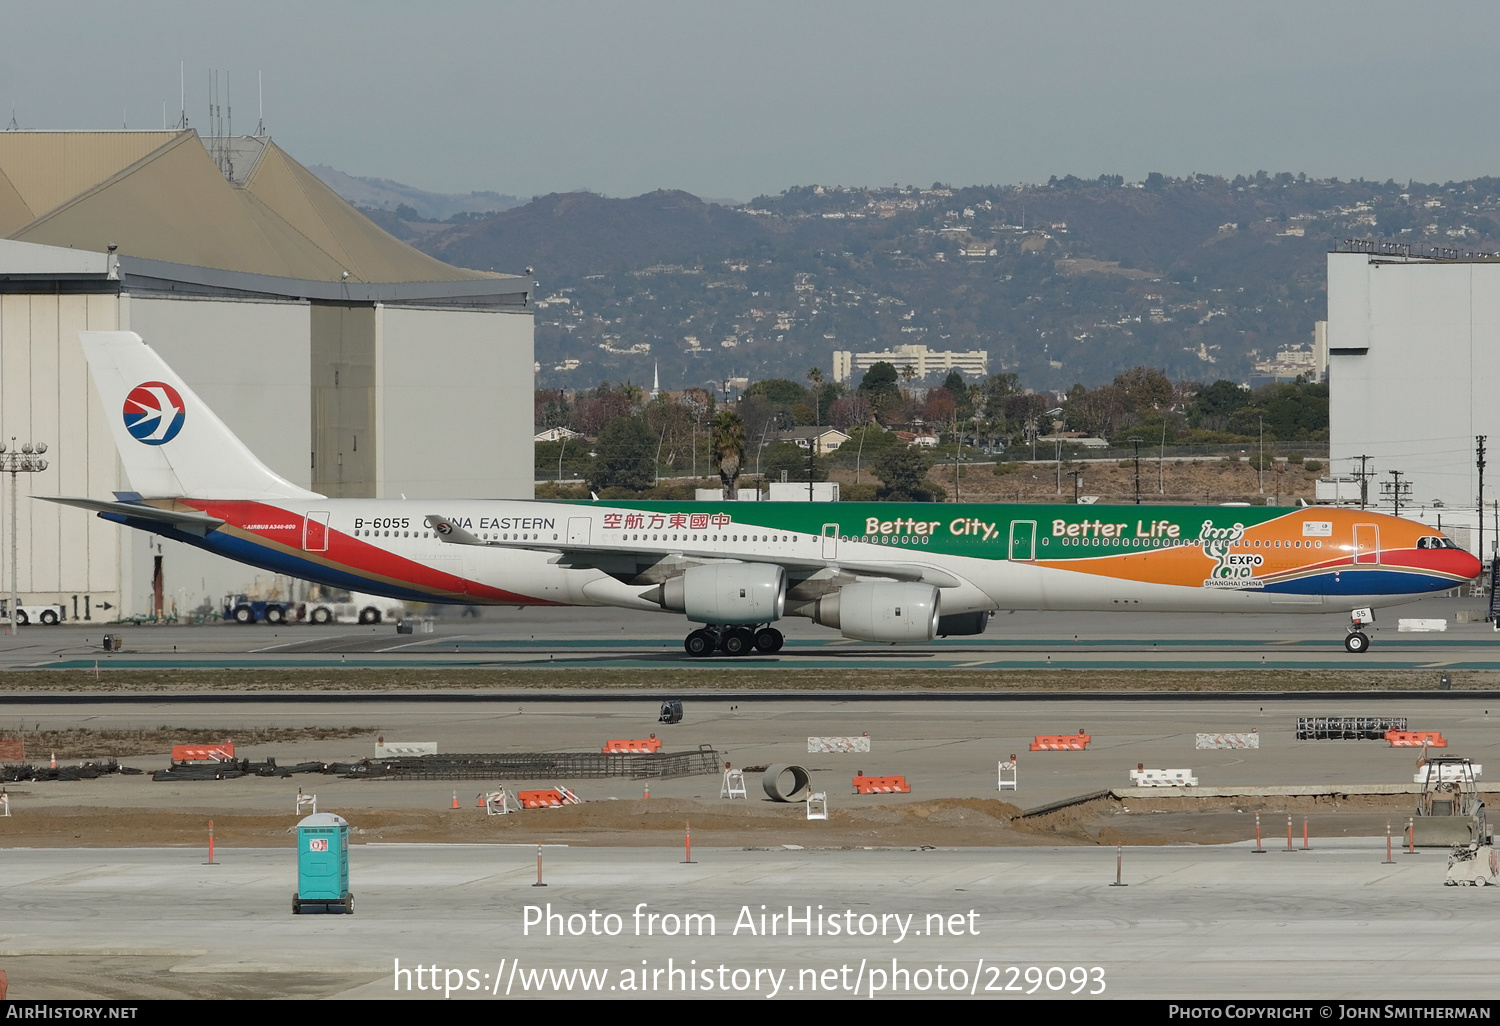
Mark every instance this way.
x=883 y=572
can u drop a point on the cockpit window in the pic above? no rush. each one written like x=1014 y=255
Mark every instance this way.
x=1435 y=542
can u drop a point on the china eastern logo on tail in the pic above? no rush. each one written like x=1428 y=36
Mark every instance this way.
x=154 y=413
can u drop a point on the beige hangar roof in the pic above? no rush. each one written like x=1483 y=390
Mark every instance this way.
x=163 y=196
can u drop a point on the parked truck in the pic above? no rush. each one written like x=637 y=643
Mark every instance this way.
x=363 y=609
x=43 y=614
x=246 y=610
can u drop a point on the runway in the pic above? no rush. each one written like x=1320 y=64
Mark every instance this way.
x=559 y=638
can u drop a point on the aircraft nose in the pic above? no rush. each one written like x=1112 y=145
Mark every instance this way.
x=1471 y=566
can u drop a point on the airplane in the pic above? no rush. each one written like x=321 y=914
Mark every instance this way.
x=874 y=571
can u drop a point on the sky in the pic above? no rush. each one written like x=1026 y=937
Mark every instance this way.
x=736 y=100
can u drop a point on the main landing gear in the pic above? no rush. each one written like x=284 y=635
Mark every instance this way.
x=733 y=641
x=1357 y=640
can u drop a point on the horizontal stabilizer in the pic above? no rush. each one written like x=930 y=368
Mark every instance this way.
x=191 y=522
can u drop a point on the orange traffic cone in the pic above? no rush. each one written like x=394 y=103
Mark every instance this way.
x=648 y=792
x=54 y=760
x=455 y=799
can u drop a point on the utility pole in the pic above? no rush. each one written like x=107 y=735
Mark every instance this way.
x=23 y=459
x=1077 y=476
x=1364 y=479
x=1395 y=492
x=1260 y=459
x=1161 y=460
x=1058 y=440
x=1137 y=442
x=1479 y=462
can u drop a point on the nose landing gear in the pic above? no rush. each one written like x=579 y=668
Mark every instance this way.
x=732 y=641
x=1357 y=640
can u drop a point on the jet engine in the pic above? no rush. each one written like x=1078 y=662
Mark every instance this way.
x=726 y=593
x=878 y=611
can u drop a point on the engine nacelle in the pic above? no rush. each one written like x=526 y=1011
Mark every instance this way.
x=877 y=611
x=727 y=593
x=957 y=624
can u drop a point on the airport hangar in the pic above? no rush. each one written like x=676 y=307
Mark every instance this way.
x=1413 y=371
x=349 y=362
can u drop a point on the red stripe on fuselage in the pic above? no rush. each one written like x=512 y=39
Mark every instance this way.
x=282 y=529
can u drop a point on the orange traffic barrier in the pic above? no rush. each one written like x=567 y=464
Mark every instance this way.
x=221 y=752
x=646 y=747
x=1061 y=742
x=552 y=798
x=880 y=785
x=1416 y=739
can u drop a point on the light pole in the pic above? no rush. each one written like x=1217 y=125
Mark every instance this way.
x=23 y=459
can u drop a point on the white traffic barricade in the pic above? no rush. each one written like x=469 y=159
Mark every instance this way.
x=305 y=802
x=1410 y=625
x=1217 y=741
x=4 y=805
x=817 y=805
x=733 y=785
x=834 y=745
x=1008 y=778
x=1448 y=773
x=1142 y=777
x=403 y=749
x=496 y=803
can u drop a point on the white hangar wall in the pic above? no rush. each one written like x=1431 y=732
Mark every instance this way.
x=1414 y=366
x=455 y=404
x=65 y=555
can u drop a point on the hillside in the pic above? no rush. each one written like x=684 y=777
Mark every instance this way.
x=1071 y=281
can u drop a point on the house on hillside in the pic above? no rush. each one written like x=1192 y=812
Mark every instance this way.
x=826 y=439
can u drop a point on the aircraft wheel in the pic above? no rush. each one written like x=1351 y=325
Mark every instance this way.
x=321 y=615
x=274 y=614
x=768 y=640
x=49 y=617
x=698 y=644
x=738 y=642
x=244 y=614
x=369 y=615
x=1356 y=642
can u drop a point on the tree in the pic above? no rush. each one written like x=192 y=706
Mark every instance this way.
x=879 y=380
x=728 y=441
x=903 y=472
x=626 y=456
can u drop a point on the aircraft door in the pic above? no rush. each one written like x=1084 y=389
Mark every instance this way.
x=1366 y=543
x=579 y=529
x=315 y=532
x=1023 y=539
x=830 y=541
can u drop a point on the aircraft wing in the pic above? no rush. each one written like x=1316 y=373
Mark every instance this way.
x=449 y=532
x=190 y=521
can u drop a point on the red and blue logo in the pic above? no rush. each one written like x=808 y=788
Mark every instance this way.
x=154 y=413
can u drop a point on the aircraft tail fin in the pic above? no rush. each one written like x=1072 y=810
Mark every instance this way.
x=171 y=443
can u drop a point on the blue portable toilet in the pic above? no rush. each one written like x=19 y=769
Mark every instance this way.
x=323 y=865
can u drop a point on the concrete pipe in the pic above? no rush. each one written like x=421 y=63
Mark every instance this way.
x=776 y=779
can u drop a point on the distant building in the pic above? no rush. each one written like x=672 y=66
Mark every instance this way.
x=1414 y=364
x=556 y=434
x=827 y=439
x=924 y=361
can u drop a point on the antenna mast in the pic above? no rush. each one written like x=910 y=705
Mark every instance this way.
x=260 y=89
